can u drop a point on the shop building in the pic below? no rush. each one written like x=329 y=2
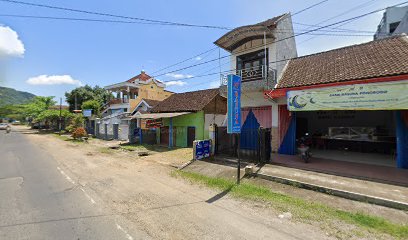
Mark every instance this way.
x=185 y=117
x=350 y=104
x=259 y=53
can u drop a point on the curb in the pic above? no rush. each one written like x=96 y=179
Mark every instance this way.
x=342 y=175
x=185 y=164
x=336 y=192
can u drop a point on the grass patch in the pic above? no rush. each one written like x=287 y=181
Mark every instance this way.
x=134 y=147
x=106 y=150
x=300 y=208
x=68 y=138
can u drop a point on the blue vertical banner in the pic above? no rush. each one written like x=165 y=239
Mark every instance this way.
x=234 y=104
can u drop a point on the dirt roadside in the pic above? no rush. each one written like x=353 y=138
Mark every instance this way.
x=142 y=190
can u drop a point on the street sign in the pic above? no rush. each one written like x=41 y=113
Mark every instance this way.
x=234 y=104
x=87 y=112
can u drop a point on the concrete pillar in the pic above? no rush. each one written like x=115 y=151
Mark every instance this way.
x=402 y=140
x=275 y=128
x=171 y=133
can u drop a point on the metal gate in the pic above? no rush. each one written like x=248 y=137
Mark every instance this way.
x=115 y=131
x=224 y=142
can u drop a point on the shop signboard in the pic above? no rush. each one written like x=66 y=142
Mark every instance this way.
x=234 y=104
x=370 y=96
x=202 y=149
x=154 y=123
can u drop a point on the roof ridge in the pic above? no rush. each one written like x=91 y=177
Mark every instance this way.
x=401 y=36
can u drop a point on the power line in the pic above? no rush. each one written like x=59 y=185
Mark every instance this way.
x=185 y=60
x=150 y=23
x=191 y=66
x=299 y=34
x=78 y=19
x=115 y=15
x=333 y=29
x=305 y=9
x=341 y=14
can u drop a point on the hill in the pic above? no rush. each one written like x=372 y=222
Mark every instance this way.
x=10 y=96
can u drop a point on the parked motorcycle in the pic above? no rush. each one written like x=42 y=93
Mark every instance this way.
x=304 y=149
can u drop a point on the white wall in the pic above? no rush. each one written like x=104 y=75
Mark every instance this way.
x=213 y=119
x=124 y=131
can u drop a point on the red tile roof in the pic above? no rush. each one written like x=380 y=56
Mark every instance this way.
x=142 y=77
x=380 y=58
x=186 y=102
x=152 y=103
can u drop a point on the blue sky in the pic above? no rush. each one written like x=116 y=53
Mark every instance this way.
x=105 y=53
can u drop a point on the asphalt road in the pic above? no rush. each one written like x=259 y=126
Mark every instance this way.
x=38 y=200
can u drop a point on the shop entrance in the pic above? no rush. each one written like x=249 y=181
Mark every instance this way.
x=354 y=136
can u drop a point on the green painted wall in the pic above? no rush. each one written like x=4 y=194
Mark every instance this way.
x=182 y=122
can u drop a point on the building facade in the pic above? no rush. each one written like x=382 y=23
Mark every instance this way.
x=116 y=116
x=185 y=117
x=348 y=107
x=259 y=54
x=393 y=22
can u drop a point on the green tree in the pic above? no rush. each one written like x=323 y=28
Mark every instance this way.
x=38 y=105
x=92 y=104
x=86 y=93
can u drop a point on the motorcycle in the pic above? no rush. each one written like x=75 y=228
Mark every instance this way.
x=304 y=149
x=8 y=129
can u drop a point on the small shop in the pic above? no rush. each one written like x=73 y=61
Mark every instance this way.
x=185 y=117
x=359 y=113
x=352 y=122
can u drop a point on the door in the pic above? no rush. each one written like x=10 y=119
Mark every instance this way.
x=106 y=131
x=115 y=131
x=190 y=136
x=164 y=136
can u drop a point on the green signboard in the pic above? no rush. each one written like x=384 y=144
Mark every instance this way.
x=370 y=96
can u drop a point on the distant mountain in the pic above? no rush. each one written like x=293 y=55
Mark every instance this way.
x=11 y=96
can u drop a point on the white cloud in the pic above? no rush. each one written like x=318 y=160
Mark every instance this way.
x=198 y=58
x=53 y=80
x=10 y=44
x=175 y=83
x=215 y=84
x=179 y=75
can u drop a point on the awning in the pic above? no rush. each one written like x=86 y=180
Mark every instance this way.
x=160 y=115
x=238 y=36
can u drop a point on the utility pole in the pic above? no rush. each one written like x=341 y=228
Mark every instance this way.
x=60 y=116
x=75 y=101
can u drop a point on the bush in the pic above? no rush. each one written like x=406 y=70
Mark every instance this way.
x=79 y=133
x=77 y=121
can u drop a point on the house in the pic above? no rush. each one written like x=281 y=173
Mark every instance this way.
x=350 y=101
x=185 y=117
x=259 y=53
x=393 y=22
x=116 y=114
x=144 y=106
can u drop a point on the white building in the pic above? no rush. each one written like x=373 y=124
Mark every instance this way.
x=393 y=22
x=259 y=53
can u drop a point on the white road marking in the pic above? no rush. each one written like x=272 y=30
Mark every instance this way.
x=89 y=197
x=66 y=176
x=73 y=182
x=123 y=230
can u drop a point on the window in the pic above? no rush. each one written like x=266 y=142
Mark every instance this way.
x=393 y=26
x=250 y=65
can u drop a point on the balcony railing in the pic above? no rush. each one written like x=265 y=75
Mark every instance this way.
x=259 y=73
x=118 y=101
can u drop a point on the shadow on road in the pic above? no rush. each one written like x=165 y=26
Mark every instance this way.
x=219 y=195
